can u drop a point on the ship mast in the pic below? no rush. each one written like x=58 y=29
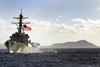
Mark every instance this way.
x=20 y=18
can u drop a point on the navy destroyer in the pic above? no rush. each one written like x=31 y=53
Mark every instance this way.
x=19 y=41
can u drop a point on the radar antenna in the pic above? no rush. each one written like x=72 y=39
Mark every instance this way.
x=20 y=18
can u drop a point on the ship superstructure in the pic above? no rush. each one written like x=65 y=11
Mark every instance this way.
x=19 y=41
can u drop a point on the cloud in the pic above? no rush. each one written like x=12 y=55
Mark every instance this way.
x=60 y=16
x=78 y=20
x=80 y=26
x=49 y=33
x=57 y=19
x=89 y=29
x=2 y=24
x=98 y=8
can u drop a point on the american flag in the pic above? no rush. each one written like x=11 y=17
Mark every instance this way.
x=26 y=28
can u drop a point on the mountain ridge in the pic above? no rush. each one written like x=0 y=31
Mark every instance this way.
x=77 y=44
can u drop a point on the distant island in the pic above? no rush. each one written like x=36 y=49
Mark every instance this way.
x=78 y=44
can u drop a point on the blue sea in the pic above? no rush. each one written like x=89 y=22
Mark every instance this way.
x=52 y=57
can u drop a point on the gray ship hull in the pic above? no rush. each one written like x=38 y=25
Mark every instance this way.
x=19 y=41
x=21 y=48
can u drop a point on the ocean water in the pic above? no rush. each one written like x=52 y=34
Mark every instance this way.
x=52 y=58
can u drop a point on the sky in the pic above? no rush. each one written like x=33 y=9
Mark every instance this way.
x=53 y=21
